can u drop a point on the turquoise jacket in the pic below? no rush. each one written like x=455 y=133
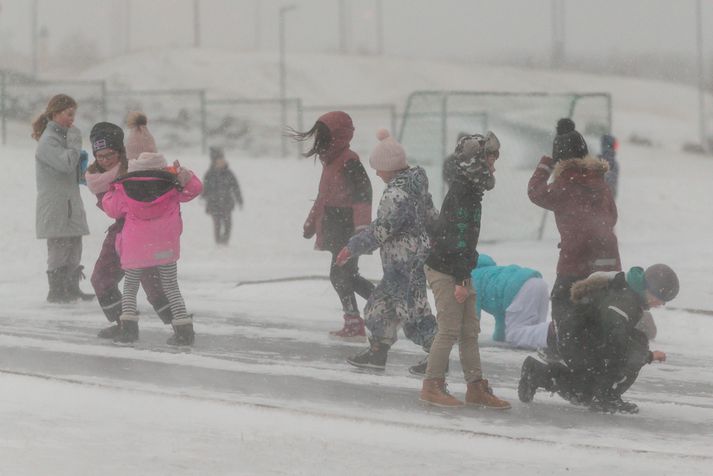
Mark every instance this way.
x=496 y=287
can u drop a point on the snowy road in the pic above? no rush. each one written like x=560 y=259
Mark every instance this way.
x=294 y=368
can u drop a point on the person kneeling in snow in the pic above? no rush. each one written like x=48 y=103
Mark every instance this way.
x=400 y=230
x=149 y=198
x=610 y=349
x=518 y=299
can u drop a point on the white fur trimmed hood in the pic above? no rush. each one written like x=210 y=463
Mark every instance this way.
x=588 y=163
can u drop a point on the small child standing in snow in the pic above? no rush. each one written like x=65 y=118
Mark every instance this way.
x=149 y=198
x=405 y=214
x=342 y=207
x=221 y=192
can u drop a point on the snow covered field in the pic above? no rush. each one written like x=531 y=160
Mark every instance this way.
x=266 y=392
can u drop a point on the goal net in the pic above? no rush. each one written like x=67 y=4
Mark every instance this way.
x=524 y=123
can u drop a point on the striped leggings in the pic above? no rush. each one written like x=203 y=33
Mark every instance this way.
x=168 y=275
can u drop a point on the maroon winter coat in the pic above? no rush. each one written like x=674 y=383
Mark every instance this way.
x=585 y=213
x=343 y=204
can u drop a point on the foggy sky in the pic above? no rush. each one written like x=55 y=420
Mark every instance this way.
x=468 y=30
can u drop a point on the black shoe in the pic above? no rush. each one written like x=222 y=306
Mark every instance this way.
x=183 y=335
x=419 y=370
x=128 y=334
x=72 y=285
x=109 y=332
x=58 y=291
x=372 y=358
x=534 y=375
x=613 y=405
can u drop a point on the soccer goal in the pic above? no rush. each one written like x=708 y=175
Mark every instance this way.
x=525 y=124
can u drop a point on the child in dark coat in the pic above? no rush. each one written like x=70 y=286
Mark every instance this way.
x=453 y=256
x=221 y=192
x=342 y=208
x=608 y=347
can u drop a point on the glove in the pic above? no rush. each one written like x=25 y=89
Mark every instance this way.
x=343 y=256
x=309 y=230
x=83 y=164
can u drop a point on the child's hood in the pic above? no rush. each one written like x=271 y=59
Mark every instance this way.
x=340 y=127
x=412 y=180
x=149 y=192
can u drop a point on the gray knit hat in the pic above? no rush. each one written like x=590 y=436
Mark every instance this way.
x=661 y=281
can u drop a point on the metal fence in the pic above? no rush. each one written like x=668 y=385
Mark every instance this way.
x=525 y=124
x=184 y=119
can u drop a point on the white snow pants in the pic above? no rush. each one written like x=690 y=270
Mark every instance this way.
x=526 y=317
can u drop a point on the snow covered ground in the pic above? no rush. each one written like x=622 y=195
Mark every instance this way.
x=266 y=392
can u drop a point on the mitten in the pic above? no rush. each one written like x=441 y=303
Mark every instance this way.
x=343 y=256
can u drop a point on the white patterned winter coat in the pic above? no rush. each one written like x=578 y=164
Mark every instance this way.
x=405 y=213
x=59 y=208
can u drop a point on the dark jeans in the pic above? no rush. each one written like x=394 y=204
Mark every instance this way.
x=222 y=224
x=108 y=273
x=347 y=281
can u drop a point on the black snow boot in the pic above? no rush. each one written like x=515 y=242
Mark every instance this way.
x=109 y=332
x=129 y=331
x=613 y=404
x=534 y=374
x=419 y=370
x=372 y=358
x=56 y=279
x=72 y=284
x=183 y=334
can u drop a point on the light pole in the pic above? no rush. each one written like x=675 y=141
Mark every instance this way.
x=283 y=77
x=34 y=37
x=379 y=27
x=196 y=23
x=558 y=32
x=701 y=82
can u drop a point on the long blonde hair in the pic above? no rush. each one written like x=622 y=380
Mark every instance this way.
x=57 y=104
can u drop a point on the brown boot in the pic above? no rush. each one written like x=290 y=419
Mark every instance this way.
x=434 y=392
x=480 y=394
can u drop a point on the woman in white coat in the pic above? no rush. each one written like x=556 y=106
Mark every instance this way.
x=60 y=216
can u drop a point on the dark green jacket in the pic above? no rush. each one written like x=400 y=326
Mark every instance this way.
x=458 y=227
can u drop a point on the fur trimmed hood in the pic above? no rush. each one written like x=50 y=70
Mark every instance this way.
x=588 y=164
x=582 y=291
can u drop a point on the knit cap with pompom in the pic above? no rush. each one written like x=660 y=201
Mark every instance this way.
x=388 y=155
x=568 y=144
x=139 y=138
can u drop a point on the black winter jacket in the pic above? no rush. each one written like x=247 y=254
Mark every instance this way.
x=458 y=227
x=611 y=311
x=221 y=191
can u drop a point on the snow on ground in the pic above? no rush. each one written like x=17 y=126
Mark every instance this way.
x=265 y=391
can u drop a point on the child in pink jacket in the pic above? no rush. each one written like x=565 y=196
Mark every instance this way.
x=149 y=198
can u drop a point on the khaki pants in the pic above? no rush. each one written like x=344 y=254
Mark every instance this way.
x=456 y=323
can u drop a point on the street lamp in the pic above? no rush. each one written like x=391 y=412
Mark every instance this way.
x=283 y=75
x=34 y=37
x=701 y=81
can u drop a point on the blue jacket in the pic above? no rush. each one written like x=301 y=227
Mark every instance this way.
x=496 y=287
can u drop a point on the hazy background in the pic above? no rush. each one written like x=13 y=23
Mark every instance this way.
x=651 y=38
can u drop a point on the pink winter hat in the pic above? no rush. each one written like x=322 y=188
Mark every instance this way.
x=148 y=161
x=139 y=139
x=388 y=155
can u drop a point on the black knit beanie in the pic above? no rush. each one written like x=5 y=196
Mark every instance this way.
x=105 y=135
x=568 y=144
